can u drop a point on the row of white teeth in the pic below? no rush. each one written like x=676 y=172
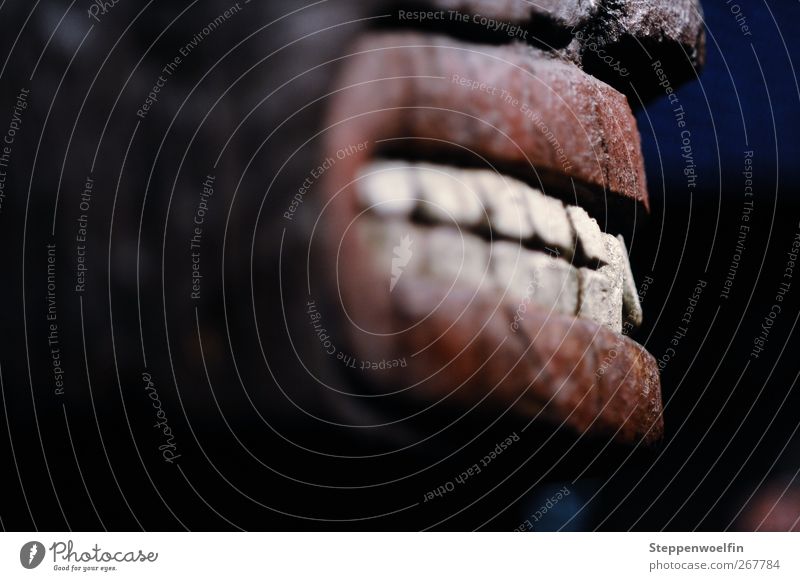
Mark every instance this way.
x=541 y=250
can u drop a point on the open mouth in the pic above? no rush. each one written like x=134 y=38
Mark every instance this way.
x=475 y=220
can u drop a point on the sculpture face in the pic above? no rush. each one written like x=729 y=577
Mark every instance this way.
x=463 y=186
x=453 y=219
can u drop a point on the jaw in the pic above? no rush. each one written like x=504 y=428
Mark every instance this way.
x=463 y=239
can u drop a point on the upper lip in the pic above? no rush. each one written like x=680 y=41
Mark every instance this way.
x=511 y=106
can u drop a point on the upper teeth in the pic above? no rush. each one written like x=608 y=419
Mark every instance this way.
x=507 y=208
x=446 y=196
x=591 y=241
x=387 y=192
x=550 y=221
x=584 y=271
